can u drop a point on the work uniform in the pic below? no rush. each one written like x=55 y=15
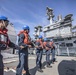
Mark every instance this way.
x=4 y=42
x=52 y=51
x=39 y=51
x=47 y=50
x=24 y=40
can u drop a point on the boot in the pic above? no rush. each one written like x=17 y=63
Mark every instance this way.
x=40 y=70
x=49 y=66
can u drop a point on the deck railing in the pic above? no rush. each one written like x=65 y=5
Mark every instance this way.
x=69 y=51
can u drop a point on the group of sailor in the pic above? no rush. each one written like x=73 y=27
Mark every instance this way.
x=24 y=42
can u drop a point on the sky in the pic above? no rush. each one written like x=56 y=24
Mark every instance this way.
x=33 y=12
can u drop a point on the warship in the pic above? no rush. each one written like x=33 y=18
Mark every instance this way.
x=12 y=33
x=12 y=36
x=61 y=31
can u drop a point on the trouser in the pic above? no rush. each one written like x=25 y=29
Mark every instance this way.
x=1 y=65
x=23 y=63
x=48 y=57
x=39 y=58
x=53 y=55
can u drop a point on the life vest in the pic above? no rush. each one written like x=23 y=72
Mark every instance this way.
x=46 y=45
x=40 y=43
x=27 y=39
x=4 y=37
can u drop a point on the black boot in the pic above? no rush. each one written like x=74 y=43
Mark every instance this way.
x=27 y=73
x=49 y=66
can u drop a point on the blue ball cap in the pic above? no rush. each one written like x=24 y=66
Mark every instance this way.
x=26 y=27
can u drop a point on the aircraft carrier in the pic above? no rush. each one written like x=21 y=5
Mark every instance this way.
x=61 y=31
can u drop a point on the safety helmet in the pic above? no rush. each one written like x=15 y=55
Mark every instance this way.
x=3 y=18
x=40 y=37
x=45 y=39
x=26 y=27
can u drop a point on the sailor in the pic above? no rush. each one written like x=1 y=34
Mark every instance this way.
x=4 y=40
x=39 y=51
x=47 y=48
x=53 y=59
x=24 y=42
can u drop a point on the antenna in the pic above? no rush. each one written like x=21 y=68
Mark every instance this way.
x=50 y=14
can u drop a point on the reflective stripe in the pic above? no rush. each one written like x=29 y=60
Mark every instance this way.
x=3 y=38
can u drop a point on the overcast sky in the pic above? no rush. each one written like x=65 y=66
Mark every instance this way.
x=33 y=12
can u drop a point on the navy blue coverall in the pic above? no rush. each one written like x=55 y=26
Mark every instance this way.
x=47 y=52
x=53 y=54
x=23 y=56
x=52 y=51
x=39 y=52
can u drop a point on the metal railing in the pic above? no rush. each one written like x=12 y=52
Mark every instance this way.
x=61 y=51
x=69 y=51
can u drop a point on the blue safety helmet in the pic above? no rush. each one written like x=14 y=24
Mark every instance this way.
x=40 y=37
x=3 y=18
x=45 y=39
x=26 y=27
